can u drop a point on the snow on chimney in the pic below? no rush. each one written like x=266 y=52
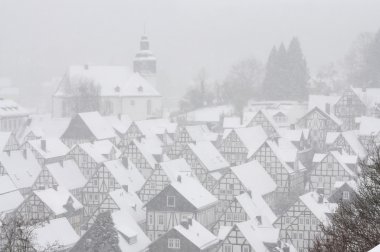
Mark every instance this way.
x=190 y=221
x=125 y=187
x=259 y=220
x=185 y=224
x=55 y=186
x=179 y=178
x=124 y=161
x=43 y=144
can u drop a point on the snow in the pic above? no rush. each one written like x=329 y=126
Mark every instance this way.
x=130 y=202
x=54 y=147
x=369 y=126
x=119 y=123
x=56 y=199
x=100 y=150
x=4 y=138
x=209 y=114
x=22 y=171
x=9 y=108
x=6 y=184
x=127 y=227
x=369 y=96
x=351 y=138
x=125 y=175
x=223 y=232
x=149 y=146
x=198 y=196
x=254 y=177
x=176 y=167
x=254 y=205
x=98 y=125
x=257 y=237
x=351 y=183
x=321 y=101
x=67 y=174
x=156 y=126
x=294 y=135
x=282 y=155
x=10 y=197
x=320 y=210
x=109 y=79
x=209 y=155
x=198 y=235
x=57 y=231
x=252 y=138
x=201 y=133
x=340 y=160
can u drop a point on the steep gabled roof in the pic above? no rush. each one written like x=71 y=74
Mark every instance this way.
x=209 y=155
x=67 y=174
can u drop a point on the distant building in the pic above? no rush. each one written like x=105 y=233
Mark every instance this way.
x=111 y=89
x=12 y=115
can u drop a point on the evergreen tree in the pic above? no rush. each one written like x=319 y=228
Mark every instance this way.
x=373 y=62
x=297 y=76
x=269 y=83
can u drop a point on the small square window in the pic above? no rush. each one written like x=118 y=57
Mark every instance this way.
x=170 y=201
x=346 y=195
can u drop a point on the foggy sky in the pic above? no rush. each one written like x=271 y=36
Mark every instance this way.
x=40 y=38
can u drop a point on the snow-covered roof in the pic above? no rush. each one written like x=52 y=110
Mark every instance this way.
x=258 y=236
x=130 y=202
x=54 y=147
x=22 y=169
x=194 y=192
x=128 y=228
x=368 y=126
x=252 y=138
x=55 y=232
x=156 y=126
x=125 y=175
x=294 y=135
x=321 y=101
x=284 y=155
x=254 y=177
x=320 y=210
x=200 y=133
x=119 y=123
x=209 y=155
x=351 y=138
x=98 y=125
x=114 y=81
x=176 y=167
x=9 y=108
x=233 y=122
x=340 y=158
x=254 y=205
x=197 y=234
x=10 y=197
x=209 y=114
x=67 y=174
x=223 y=232
x=369 y=96
x=4 y=138
x=56 y=199
x=351 y=183
x=330 y=115
x=100 y=150
x=149 y=146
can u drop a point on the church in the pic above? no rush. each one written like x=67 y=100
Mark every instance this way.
x=111 y=90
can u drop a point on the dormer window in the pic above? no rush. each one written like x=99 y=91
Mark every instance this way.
x=346 y=195
x=170 y=201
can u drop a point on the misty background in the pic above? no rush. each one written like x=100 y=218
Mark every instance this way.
x=39 y=39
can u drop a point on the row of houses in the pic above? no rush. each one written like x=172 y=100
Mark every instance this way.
x=258 y=184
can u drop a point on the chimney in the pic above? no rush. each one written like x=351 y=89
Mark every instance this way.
x=43 y=144
x=125 y=187
x=292 y=126
x=134 y=207
x=190 y=221
x=24 y=153
x=124 y=161
x=320 y=199
x=185 y=224
x=320 y=190
x=259 y=221
x=61 y=163
x=179 y=178
x=327 y=108
x=249 y=192
x=8 y=153
x=55 y=187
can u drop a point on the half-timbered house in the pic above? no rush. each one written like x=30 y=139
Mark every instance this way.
x=319 y=123
x=239 y=144
x=329 y=169
x=206 y=162
x=344 y=191
x=188 y=236
x=182 y=199
x=263 y=119
x=48 y=150
x=50 y=204
x=88 y=127
x=111 y=175
x=8 y=141
x=346 y=141
x=22 y=168
x=63 y=173
x=163 y=175
x=249 y=236
x=190 y=134
x=301 y=224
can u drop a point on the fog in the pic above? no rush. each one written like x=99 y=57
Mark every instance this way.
x=41 y=38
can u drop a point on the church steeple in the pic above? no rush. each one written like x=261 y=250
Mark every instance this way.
x=145 y=62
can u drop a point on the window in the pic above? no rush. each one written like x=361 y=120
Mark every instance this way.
x=228 y=217
x=160 y=220
x=227 y=248
x=346 y=195
x=287 y=220
x=245 y=248
x=301 y=220
x=300 y=235
x=174 y=243
x=307 y=220
x=95 y=182
x=170 y=201
x=150 y=219
x=313 y=221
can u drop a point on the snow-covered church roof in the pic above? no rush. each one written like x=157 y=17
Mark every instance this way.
x=112 y=81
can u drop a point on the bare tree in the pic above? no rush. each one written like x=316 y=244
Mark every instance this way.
x=243 y=83
x=356 y=224
x=17 y=235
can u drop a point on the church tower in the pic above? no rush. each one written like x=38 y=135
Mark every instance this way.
x=145 y=62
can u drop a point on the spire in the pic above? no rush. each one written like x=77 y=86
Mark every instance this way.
x=145 y=62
